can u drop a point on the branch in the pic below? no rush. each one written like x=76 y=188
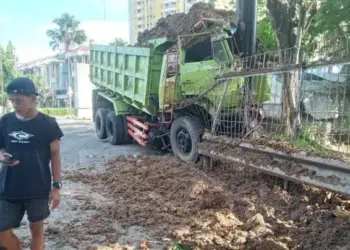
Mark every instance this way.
x=311 y=13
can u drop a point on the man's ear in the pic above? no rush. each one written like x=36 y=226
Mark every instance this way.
x=34 y=98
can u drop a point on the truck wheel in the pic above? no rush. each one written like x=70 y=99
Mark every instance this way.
x=185 y=135
x=116 y=129
x=100 y=123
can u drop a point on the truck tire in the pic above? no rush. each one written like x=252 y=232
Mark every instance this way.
x=100 y=123
x=185 y=134
x=116 y=129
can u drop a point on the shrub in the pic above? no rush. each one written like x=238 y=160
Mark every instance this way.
x=58 y=111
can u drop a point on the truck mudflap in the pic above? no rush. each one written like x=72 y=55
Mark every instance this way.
x=325 y=173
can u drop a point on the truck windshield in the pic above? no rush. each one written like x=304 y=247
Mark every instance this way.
x=219 y=53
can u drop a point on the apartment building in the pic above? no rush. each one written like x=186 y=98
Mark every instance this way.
x=144 y=14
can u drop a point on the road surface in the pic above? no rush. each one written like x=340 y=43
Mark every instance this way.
x=80 y=150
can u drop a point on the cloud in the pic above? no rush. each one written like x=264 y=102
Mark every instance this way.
x=27 y=53
x=99 y=31
x=106 y=31
x=111 y=6
x=102 y=32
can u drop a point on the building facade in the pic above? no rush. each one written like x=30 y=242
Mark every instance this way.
x=54 y=71
x=144 y=14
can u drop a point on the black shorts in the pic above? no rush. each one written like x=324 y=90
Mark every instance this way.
x=12 y=212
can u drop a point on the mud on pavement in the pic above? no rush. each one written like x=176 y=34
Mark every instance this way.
x=147 y=202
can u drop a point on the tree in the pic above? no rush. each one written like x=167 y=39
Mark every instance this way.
x=119 y=42
x=7 y=70
x=291 y=20
x=42 y=88
x=265 y=31
x=297 y=23
x=331 y=22
x=67 y=33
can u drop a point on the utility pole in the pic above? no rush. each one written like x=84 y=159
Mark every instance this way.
x=104 y=10
x=247 y=11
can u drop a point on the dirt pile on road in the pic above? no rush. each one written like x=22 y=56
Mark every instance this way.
x=180 y=23
x=228 y=208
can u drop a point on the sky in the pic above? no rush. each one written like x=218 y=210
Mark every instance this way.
x=25 y=23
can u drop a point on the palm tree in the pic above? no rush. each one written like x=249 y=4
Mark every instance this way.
x=67 y=33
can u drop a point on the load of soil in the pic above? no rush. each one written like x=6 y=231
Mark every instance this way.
x=179 y=24
x=228 y=207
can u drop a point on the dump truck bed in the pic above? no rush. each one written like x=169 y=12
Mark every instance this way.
x=130 y=74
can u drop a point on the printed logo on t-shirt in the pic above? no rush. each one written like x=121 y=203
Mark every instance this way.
x=20 y=137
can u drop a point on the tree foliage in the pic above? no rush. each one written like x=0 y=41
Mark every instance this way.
x=7 y=70
x=43 y=90
x=66 y=33
x=265 y=31
x=331 y=23
x=297 y=23
x=118 y=42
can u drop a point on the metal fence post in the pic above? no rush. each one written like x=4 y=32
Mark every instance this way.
x=217 y=115
x=299 y=93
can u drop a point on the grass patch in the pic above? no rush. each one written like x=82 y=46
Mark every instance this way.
x=305 y=141
x=62 y=112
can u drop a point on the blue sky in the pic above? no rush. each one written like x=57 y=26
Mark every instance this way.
x=25 y=22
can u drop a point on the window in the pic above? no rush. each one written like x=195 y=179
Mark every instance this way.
x=219 y=53
x=199 y=52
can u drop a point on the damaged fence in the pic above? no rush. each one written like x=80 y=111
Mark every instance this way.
x=307 y=103
x=292 y=115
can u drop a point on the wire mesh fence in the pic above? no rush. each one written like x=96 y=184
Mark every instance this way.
x=304 y=100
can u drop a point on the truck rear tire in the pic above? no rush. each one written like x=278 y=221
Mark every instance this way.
x=116 y=129
x=185 y=134
x=100 y=123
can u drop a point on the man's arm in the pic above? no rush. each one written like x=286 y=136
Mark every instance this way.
x=56 y=160
x=55 y=150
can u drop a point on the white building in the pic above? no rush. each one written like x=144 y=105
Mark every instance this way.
x=54 y=70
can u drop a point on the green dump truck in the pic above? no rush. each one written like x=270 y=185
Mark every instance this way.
x=158 y=94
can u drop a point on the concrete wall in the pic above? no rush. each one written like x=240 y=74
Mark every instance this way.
x=83 y=91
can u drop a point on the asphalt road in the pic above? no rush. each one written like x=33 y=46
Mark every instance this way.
x=81 y=148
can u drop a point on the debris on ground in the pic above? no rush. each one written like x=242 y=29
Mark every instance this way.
x=179 y=24
x=228 y=207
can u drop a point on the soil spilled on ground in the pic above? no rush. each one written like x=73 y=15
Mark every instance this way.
x=154 y=200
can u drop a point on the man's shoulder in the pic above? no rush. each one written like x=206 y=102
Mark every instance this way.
x=7 y=116
x=47 y=118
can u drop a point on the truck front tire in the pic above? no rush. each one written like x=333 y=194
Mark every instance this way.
x=116 y=129
x=185 y=134
x=100 y=123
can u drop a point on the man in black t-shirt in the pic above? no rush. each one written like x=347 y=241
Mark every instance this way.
x=29 y=142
